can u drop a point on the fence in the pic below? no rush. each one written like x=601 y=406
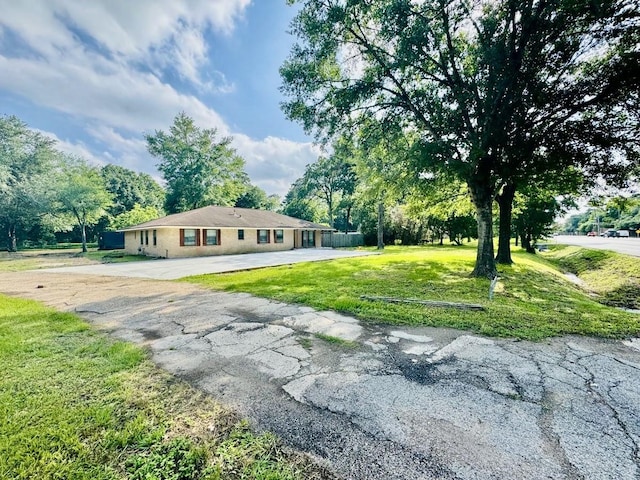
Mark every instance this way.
x=337 y=240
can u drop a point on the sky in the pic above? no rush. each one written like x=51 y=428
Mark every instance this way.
x=97 y=75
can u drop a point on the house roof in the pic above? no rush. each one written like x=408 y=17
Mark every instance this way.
x=229 y=217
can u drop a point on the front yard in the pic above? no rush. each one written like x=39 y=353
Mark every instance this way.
x=533 y=299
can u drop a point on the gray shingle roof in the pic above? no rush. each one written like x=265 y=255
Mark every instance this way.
x=230 y=217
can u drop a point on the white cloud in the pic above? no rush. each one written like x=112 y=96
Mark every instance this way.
x=77 y=149
x=273 y=163
x=104 y=62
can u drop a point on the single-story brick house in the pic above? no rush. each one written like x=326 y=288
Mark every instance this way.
x=220 y=231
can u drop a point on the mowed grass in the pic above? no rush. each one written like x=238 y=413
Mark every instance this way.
x=75 y=404
x=615 y=277
x=532 y=301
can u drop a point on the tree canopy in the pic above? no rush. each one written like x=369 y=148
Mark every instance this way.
x=199 y=168
x=26 y=160
x=492 y=91
x=81 y=194
x=130 y=188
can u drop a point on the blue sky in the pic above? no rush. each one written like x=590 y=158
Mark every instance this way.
x=97 y=75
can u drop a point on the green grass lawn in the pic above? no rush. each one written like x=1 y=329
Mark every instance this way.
x=75 y=404
x=614 y=276
x=532 y=301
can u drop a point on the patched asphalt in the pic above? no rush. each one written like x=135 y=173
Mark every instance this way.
x=391 y=402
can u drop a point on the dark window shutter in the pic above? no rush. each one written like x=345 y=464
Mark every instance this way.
x=258 y=236
x=268 y=236
x=204 y=236
x=197 y=237
x=182 y=237
x=219 y=237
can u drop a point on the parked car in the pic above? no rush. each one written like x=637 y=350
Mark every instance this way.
x=592 y=234
x=615 y=233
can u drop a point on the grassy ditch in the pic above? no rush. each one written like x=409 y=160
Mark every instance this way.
x=614 y=277
x=76 y=404
x=532 y=301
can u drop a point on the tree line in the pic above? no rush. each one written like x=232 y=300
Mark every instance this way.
x=46 y=195
x=618 y=213
x=344 y=188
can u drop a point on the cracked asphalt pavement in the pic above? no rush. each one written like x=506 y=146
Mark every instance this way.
x=391 y=402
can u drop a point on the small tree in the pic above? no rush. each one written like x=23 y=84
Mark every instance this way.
x=81 y=194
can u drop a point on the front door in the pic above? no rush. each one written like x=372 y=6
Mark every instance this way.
x=308 y=238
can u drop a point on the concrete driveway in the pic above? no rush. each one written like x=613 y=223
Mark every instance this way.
x=170 y=269
x=628 y=246
x=392 y=402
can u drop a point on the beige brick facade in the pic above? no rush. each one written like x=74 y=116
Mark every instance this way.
x=166 y=241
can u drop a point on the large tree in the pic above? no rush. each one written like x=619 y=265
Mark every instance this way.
x=472 y=81
x=81 y=194
x=199 y=168
x=26 y=159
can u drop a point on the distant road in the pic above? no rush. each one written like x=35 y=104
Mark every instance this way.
x=628 y=246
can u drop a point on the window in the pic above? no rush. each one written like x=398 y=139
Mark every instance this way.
x=189 y=237
x=278 y=236
x=240 y=234
x=264 y=236
x=146 y=237
x=155 y=238
x=211 y=237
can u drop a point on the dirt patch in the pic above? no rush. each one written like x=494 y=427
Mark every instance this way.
x=66 y=292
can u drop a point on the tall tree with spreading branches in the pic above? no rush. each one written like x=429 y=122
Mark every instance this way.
x=199 y=168
x=493 y=90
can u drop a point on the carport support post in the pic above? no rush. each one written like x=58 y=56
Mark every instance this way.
x=380 y=226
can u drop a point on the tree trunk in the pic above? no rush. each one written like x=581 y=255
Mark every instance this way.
x=380 y=226
x=347 y=215
x=517 y=237
x=84 y=237
x=505 y=202
x=482 y=197
x=526 y=243
x=12 y=241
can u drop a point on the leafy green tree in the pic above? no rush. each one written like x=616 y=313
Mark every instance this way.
x=81 y=194
x=199 y=169
x=130 y=188
x=491 y=90
x=255 y=197
x=138 y=214
x=298 y=204
x=331 y=179
x=26 y=159
x=534 y=218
